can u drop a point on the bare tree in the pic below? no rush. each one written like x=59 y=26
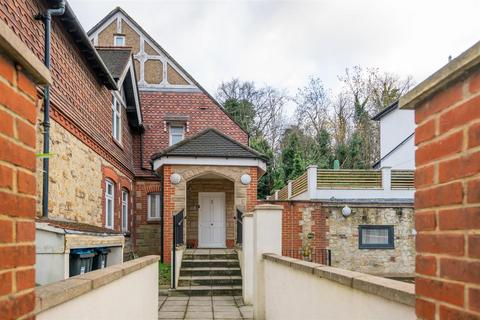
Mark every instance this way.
x=313 y=105
x=342 y=118
x=268 y=106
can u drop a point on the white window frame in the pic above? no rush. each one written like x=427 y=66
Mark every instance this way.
x=156 y=217
x=116 y=119
x=125 y=200
x=115 y=38
x=171 y=133
x=109 y=198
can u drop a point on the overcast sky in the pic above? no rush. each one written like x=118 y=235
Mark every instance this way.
x=282 y=43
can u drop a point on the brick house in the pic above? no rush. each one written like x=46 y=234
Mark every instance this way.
x=191 y=138
x=116 y=99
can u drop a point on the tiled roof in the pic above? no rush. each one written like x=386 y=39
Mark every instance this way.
x=116 y=59
x=210 y=143
x=77 y=226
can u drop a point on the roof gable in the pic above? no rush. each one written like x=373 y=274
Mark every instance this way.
x=210 y=143
x=115 y=18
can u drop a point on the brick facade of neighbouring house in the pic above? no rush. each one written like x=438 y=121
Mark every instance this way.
x=18 y=112
x=447 y=201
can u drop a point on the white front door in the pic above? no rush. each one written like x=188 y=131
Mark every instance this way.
x=211 y=220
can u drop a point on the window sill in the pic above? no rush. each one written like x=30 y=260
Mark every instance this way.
x=153 y=221
x=377 y=248
x=118 y=143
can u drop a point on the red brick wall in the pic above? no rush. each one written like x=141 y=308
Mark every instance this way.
x=203 y=112
x=17 y=192
x=447 y=203
x=79 y=101
x=292 y=228
x=146 y=233
x=168 y=207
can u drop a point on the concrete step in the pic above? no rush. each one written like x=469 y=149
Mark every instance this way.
x=207 y=271
x=210 y=256
x=229 y=263
x=207 y=291
x=192 y=281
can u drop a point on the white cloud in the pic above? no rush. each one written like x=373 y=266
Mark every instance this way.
x=282 y=43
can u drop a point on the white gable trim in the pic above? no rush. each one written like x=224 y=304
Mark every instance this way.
x=209 y=161
x=142 y=56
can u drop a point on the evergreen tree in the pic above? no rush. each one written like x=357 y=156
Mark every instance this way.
x=242 y=111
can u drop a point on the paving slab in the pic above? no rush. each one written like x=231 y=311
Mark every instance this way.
x=213 y=307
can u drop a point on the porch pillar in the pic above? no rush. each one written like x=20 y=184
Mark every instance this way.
x=168 y=207
x=267 y=238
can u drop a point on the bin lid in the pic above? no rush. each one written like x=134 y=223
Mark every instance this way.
x=103 y=250
x=83 y=253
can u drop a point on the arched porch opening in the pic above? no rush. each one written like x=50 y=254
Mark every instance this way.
x=210 y=209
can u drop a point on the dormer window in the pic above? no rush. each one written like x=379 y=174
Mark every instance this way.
x=119 y=41
x=177 y=134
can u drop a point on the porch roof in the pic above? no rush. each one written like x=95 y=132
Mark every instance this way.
x=210 y=143
x=210 y=147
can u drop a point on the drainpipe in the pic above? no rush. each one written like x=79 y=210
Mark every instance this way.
x=46 y=17
x=162 y=232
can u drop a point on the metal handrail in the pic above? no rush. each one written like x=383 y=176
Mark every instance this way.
x=174 y=245
x=238 y=218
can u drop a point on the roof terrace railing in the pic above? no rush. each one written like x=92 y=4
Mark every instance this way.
x=349 y=184
x=349 y=179
x=402 y=179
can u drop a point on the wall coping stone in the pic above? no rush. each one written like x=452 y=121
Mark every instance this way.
x=393 y=290
x=268 y=206
x=446 y=75
x=53 y=294
x=16 y=50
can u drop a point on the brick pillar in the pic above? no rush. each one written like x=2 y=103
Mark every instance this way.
x=252 y=190
x=168 y=207
x=18 y=99
x=447 y=200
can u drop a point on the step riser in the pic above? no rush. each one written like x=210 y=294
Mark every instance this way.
x=210 y=273
x=210 y=282
x=203 y=293
x=210 y=264
x=210 y=257
x=198 y=264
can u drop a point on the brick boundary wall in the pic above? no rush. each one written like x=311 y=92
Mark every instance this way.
x=18 y=112
x=293 y=221
x=447 y=201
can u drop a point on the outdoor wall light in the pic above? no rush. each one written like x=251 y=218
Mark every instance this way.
x=245 y=179
x=346 y=211
x=175 y=178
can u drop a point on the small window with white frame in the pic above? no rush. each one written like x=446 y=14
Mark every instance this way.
x=177 y=134
x=125 y=199
x=119 y=41
x=109 y=203
x=154 y=206
x=116 y=119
